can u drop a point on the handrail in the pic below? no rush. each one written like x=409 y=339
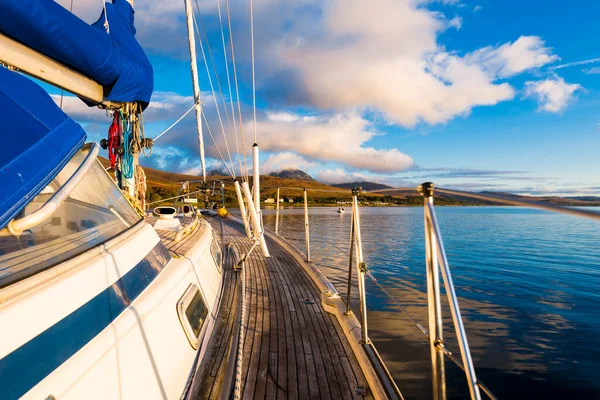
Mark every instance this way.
x=18 y=226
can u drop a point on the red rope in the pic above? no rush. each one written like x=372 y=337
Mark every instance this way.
x=114 y=138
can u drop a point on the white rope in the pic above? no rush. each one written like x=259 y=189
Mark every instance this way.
x=235 y=134
x=215 y=143
x=237 y=90
x=106 y=26
x=214 y=96
x=253 y=80
x=175 y=123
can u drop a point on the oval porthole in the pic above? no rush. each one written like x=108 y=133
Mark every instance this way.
x=215 y=251
x=192 y=312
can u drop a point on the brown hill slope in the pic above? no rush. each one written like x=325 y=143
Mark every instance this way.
x=163 y=185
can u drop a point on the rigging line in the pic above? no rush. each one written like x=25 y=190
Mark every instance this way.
x=230 y=120
x=212 y=88
x=212 y=61
x=237 y=90
x=175 y=123
x=175 y=197
x=393 y=299
x=215 y=143
x=253 y=80
x=235 y=133
x=384 y=290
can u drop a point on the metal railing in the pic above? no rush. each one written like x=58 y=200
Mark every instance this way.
x=436 y=265
x=436 y=258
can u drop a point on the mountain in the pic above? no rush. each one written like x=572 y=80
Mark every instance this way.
x=365 y=185
x=162 y=184
x=584 y=198
x=292 y=174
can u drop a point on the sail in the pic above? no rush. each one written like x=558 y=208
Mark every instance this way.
x=37 y=141
x=114 y=59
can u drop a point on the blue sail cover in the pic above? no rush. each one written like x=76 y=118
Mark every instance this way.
x=37 y=141
x=114 y=59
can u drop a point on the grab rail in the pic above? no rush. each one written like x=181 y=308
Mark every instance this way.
x=18 y=226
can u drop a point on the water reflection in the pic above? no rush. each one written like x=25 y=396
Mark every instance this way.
x=527 y=283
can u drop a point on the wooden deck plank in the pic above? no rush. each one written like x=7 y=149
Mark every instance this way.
x=299 y=331
x=285 y=339
x=293 y=349
x=317 y=381
x=266 y=337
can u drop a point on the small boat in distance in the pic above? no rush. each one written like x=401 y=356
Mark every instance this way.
x=341 y=210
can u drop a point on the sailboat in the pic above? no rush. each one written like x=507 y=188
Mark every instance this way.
x=104 y=296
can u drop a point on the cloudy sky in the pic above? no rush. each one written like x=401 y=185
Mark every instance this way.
x=477 y=95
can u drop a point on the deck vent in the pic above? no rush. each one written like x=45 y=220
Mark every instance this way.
x=165 y=212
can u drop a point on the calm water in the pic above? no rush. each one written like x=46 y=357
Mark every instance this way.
x=528 y=284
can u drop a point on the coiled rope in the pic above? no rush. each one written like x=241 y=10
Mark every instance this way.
x=127 y=165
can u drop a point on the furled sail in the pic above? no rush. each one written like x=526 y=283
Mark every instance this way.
x=114 y=59
x=37 y=141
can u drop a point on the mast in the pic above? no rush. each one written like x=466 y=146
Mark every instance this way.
x=256 y=184
x=189 y=16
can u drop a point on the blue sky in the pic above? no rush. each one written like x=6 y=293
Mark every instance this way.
x=477 y=95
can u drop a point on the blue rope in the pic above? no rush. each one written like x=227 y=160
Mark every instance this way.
x=127 y=164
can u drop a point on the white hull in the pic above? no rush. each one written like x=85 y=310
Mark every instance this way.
x=104 y=324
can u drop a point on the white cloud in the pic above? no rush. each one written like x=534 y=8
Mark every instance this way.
x=285 y=160
x=340 y=175
x=455 y=22
x=343 y=54
x=577 y=63
x=75 y=108
x=164 y=106
x=340 y=138
x=552 y=94
x=592 y=71
x=384 y=55
x=445 y=2
x=509 y=59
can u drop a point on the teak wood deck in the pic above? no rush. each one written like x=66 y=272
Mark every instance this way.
x=293 y=348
